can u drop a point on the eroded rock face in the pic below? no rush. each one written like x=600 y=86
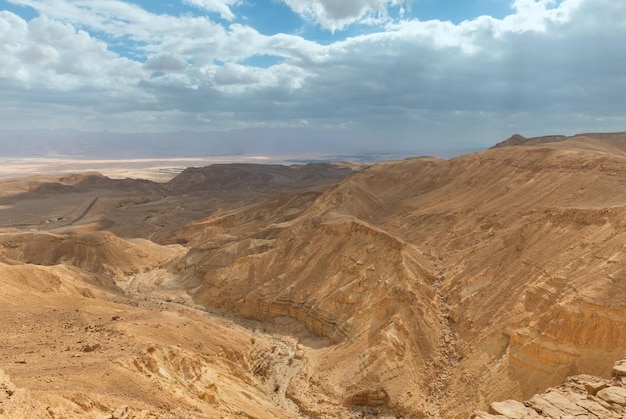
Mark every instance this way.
x=581 y=396
x=367 y=292
x=373 y=398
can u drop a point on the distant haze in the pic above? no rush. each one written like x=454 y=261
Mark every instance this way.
x=272 y=144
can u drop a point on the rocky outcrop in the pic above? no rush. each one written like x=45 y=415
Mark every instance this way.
x=581 y=396
x=17 y=402
x=372 y=398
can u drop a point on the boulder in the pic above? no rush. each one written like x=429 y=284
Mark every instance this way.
x=555 y=405
x=615 y=395
x=512 y=409
x=619 y=369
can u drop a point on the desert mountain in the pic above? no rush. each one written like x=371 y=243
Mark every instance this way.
x=612 y=142
x=255 y=177
x=487 y=276
x=415 y=288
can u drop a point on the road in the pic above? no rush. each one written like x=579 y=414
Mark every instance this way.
x=84 y=213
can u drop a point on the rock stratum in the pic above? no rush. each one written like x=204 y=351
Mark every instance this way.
x=415 y=288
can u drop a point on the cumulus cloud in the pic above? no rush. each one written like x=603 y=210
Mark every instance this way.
x=334 y=15
x=49 y=54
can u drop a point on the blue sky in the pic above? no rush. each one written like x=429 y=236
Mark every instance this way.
x=412 y=77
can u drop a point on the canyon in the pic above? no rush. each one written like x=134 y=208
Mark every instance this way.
x=417 y=288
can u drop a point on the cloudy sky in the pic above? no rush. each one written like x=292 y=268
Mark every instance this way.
x=354 y=76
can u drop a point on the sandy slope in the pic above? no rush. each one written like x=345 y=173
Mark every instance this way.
x=75 y=346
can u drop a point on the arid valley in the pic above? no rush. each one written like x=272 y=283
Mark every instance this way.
x=491 y=284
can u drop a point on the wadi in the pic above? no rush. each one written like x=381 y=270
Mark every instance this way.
x=491 y=284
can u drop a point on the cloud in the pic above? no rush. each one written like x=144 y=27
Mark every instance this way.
x=166 y=62
x=100 y=64
x=335 y=15
x=223 y=7
x=50 y=55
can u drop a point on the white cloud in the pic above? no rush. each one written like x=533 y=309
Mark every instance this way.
x=218 y=6
x=166 y=62
x=543 y=62
x=128 y=23
x=47 y=54
x=537 y=15
x=334 y=15
x=238 y=78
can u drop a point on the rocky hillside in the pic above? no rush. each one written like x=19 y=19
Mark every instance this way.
x=457 y=282
x=581 y=396
x=415 y=288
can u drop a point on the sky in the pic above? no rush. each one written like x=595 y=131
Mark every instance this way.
x=335 y=76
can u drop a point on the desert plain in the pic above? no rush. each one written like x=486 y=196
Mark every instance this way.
x=491 y=284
